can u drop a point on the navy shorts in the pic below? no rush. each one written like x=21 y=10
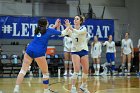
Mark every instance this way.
x=80 y=53
x=34 y=54
x=110 y=57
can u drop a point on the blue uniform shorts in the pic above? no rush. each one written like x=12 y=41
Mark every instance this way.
x=34 y=54
x=80 y=53
x=110 y=57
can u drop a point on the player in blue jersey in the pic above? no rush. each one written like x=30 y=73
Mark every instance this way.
x=36 y=50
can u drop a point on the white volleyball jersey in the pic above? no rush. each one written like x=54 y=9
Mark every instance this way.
x=96 y=50
x=79 y=39
x=110 y=46
x=139 y=44
x=67 y=43
x=127 y=45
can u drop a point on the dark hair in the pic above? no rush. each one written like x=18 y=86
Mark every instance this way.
x=127 y=32
x=42 y=23
x=109 y=36
x=81 y=19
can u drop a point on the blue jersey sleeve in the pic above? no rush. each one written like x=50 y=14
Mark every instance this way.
x=54 y=32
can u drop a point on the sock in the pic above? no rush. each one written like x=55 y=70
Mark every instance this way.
x=94 y=65
x=16 y=86
x=98 y=68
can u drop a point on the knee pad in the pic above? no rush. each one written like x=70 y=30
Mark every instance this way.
x=66 y=62
x=129 y=64
x=46 y=81
x=84 y=75
x=23 y=72
x=70 y=62
x=75 y=75
x=46 y=75
x=113 y=63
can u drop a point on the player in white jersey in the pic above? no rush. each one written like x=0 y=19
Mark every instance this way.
x=96 y=49
x=127 y=52
x=110 y=54
x=67 y=55
x=139 y=57
x=79 y=53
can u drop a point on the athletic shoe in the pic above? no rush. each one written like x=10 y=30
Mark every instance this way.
x=83 y=88
x=47 y=91
x=73 y=90
x=128 y=74
x=138 y=74
x=80 y=73
x=121 y=74
x=65 y=74
x=16 y=89
x=70 y=74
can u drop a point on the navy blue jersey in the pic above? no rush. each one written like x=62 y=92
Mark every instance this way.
x=40 y=42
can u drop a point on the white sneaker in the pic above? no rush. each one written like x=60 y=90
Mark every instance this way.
x=65 y=74
x=80 y=73
x=73 y=90
x=84 y=88
x=70 y=74
x=16 y=89
x=47 y=91
x=128 y=74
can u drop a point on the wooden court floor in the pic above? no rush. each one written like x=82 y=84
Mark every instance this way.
x=96 y=84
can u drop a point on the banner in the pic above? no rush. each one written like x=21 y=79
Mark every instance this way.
x=23 y=27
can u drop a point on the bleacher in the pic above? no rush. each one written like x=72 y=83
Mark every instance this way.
x=54 y=62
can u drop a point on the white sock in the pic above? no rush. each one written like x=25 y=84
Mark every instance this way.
x=69 y=71
x=98 y=68
x=94 y=65
x=65 y=71
x=16 y=86
x=46 y=89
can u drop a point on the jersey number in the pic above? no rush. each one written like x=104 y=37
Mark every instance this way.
x=39 y=35
x=76 y=39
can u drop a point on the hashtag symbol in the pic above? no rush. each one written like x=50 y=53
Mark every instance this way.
x=6 y=29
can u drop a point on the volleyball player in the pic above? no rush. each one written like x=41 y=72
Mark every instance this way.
x=79 y=52
x=139 y=57
x=67 y=55
x=110 y=54
x=36 y=50
x=127 y=52
x=96 y=49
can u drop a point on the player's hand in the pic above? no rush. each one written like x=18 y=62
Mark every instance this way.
x=132 y=55
x=115 y=55
x=67 y=23
x=57 y=23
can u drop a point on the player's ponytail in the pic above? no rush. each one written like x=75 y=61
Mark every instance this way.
x=42 y=23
